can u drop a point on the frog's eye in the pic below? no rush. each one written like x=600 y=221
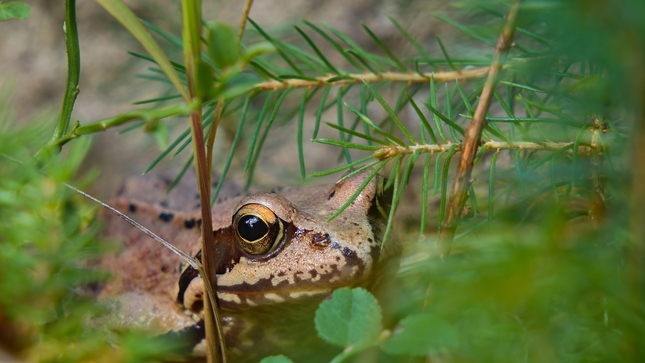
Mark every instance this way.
x=257 y=229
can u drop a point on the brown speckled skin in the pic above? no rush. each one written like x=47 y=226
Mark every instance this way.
x=253 y=291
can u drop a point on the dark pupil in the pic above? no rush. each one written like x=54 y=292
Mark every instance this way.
x=252 y=228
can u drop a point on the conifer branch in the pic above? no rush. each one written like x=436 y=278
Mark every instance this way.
x=394 y=150
x=460 y=75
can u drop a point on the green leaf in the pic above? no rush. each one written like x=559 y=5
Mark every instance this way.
x=223 y=45
x=421 y=334
x=399 y=64
x=351 y=317
x=237 y=90
x=276 y=359
x=14 y=10
x=126 y=17
x=301 y=119
x=345 y=144
x=160 y=133
x=257 y=50
x=390 y=112
x=320 y=54
x=204 y=80
x=410 y=38
x=465 y=29
x=339 y=49
x=273 y=41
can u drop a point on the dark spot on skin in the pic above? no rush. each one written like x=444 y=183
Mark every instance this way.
x=164 y=268
x=133 y=208
x=164 y=204
x=281 y=273
x=331 y=195
x=189 y=223
x=313 y=273
x=238 y=194
x=300 y=232
x=166 y=217
x=370 y=240
x=354 y=223
x=335 y=245
x=198 y=305
x=320 y=240
x=196 y=195
x=198 y=205
x=348 y=253
x=337 y=258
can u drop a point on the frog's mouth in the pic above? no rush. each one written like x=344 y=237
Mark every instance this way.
x=268 y=290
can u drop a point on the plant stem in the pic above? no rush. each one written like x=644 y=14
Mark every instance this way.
x=102 y=125
x=212 y=134
x=245 y=16
x=191 y=15
x=73 y=70
x=474 y=132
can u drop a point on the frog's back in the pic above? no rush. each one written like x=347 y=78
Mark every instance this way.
x=143 y=288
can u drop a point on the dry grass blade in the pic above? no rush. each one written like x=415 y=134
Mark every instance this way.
x=190 y=260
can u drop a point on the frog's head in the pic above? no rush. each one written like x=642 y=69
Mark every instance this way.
x=281 y=248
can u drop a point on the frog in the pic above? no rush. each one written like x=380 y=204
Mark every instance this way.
x=280 y=255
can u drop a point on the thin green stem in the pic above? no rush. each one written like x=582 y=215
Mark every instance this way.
x=73 y=70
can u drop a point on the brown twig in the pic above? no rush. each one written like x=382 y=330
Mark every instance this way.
x=211 y=137
x=474 y=131
x=462 y=74
x=245 y=16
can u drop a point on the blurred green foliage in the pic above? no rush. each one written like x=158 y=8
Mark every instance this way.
x=47 y=236
x=14 y=10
